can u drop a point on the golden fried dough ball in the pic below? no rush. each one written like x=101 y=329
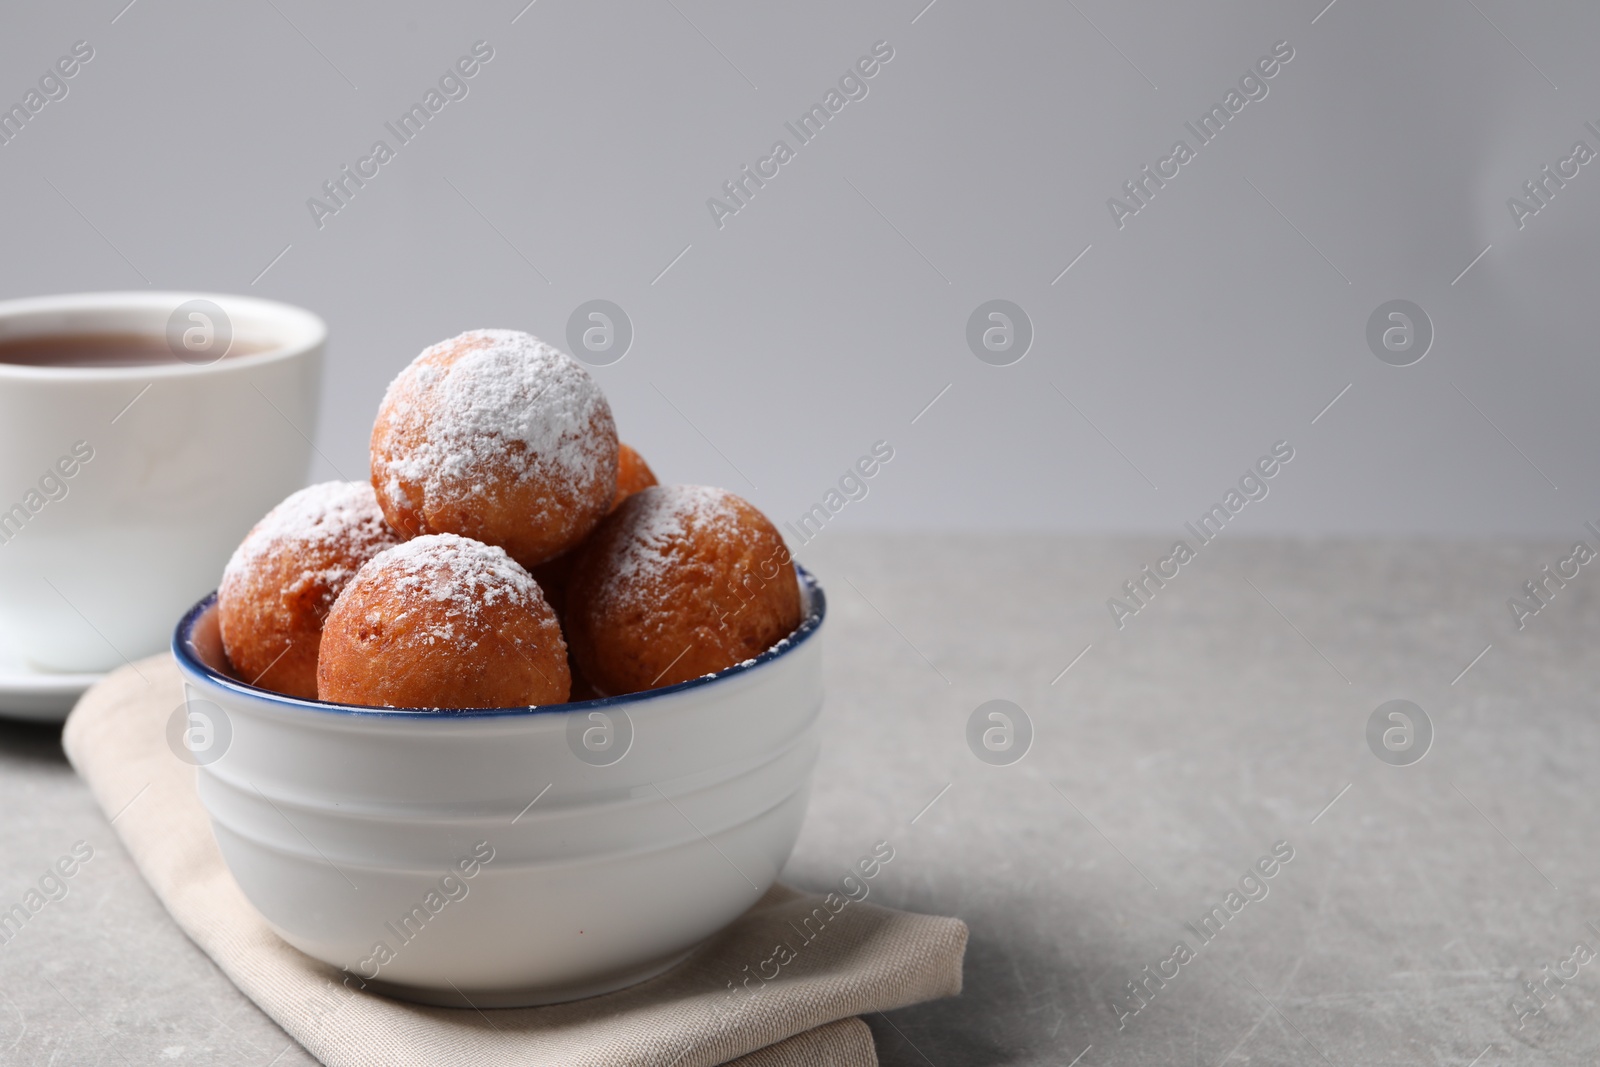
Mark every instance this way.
x=285 y=575
x=679 y=581
x=496 y=436
x=443 y=621
x=633 y=474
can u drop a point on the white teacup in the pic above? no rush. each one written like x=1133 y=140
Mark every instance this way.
x=124 y=489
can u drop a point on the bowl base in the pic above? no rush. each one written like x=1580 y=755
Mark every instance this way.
x=451 y=997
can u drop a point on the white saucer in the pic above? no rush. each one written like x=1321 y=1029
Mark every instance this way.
x=39 y=696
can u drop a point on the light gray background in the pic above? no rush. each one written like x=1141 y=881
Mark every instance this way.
x=828 y=313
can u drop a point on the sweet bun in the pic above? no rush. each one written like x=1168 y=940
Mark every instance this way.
x=286 y=574
x=633 y=474
x=496 y=436
x=443 y=621
x=679 y=581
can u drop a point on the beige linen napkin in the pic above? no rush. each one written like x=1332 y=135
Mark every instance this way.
x=867 y=958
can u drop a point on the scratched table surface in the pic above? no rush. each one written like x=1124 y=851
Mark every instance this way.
x=1430 y=911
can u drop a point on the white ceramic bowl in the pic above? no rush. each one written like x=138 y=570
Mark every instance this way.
x=512 y=856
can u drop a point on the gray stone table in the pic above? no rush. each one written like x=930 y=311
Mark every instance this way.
x=1229 y=715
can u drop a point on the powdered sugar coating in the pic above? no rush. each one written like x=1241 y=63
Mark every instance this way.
x=659 y=533
x=498 y=436
x=330 y=528
x=452 y=580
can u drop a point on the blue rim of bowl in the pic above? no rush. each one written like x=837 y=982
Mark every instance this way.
x=183 y=651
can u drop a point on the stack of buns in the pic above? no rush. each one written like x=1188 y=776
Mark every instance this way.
x=509 y=552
